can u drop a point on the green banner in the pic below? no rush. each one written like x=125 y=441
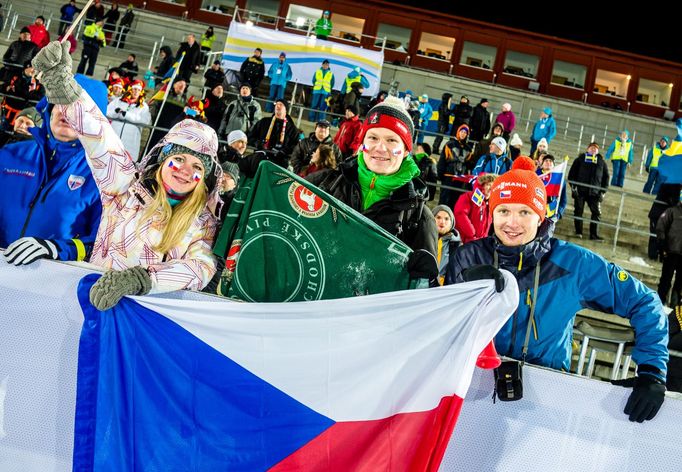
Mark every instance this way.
x=286 y=240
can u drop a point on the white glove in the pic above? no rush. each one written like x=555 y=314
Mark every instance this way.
x=24 y=251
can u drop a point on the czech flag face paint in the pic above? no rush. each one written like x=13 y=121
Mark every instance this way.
x=196 y=177
x=173 y=165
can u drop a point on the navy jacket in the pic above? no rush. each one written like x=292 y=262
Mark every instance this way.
x=48 y=190
x=571 y=278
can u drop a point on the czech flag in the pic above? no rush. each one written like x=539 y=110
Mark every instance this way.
x=554 y=180
x=370 y=383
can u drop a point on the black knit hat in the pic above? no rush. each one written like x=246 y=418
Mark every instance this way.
x=391 y=114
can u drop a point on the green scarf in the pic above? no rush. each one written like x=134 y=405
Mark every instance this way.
x=419 y=156
x=376 y=187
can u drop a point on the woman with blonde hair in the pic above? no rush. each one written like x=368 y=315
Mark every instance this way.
x=156 y=231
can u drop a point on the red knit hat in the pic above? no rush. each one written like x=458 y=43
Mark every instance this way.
x=391 y=114
x=520 y=185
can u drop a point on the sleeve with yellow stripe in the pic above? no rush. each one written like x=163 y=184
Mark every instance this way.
x=74 y=249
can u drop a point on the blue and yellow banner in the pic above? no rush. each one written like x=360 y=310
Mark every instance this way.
x=304 y=54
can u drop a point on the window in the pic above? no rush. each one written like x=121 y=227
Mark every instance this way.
x=518 y=63
x=654 y=93
x=568 y=74
x=436 y=47
x=397 y=37
x=611 y=83
x=262 y=10
x=347 y=27
x=299 y=17
x=219 y=6
x=478 y=55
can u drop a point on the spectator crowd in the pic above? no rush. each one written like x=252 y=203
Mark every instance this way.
x=92 y=163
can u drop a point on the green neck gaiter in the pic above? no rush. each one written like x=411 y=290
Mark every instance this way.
x=377 y=187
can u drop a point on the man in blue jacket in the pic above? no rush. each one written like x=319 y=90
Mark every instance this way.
x=558 y=279
x=279 y=73
x=496 y=160
x=545 y=127
x=50 y=207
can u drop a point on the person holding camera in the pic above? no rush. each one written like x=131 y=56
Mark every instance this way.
x=588 y=168
x=556 y=280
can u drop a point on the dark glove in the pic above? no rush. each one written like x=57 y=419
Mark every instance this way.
x=54 y=65
x=601 y=197
x=646 y=398
x=421 y=264
x=115 y=284
x=484 y=272
x=24 y=251
x=248 y=165
x=574 y=192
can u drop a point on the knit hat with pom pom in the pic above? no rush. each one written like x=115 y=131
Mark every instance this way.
x=391 y=114
x=520 y=185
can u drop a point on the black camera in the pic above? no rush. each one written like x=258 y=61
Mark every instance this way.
x=509 y=381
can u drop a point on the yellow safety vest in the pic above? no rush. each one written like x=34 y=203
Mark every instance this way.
x=349 y=82
x=94 y=32
x=323 y=80
x=621 y=152
x=656 y=156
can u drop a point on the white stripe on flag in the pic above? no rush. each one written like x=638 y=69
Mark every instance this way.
x=359 y=358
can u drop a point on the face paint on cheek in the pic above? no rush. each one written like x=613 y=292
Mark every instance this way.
x=173 y=165
x=196 y=177
x=398 y=152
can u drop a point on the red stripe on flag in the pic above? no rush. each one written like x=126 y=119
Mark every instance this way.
x=406 y=441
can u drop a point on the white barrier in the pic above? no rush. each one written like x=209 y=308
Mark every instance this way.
x=563 y=423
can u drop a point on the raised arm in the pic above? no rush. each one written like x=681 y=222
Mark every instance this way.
x=111 y=165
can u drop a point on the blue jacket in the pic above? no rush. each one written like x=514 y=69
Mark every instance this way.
x=53 y=194
x=425 y=112
x=284 y=74
x=68 y=11
x=492 y=164
x=351 y=75
x=571 y=278
x=544 y=128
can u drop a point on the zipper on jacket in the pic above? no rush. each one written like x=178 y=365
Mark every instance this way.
x=34 y=201
x=30 y=210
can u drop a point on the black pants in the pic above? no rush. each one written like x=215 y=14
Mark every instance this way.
x=442 y=129
x=121 y=34
x=672 y=265
x=89 y=57
x=652 y=250
x=63 y=26
x=595 y=207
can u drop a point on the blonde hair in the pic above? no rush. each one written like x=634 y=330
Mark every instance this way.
x=176 y=220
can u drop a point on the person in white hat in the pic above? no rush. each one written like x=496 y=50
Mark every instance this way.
x=496 y=161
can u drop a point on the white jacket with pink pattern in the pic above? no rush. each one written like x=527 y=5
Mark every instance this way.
x=123 y=240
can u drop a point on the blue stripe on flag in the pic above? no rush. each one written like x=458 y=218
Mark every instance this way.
x=152 y=396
